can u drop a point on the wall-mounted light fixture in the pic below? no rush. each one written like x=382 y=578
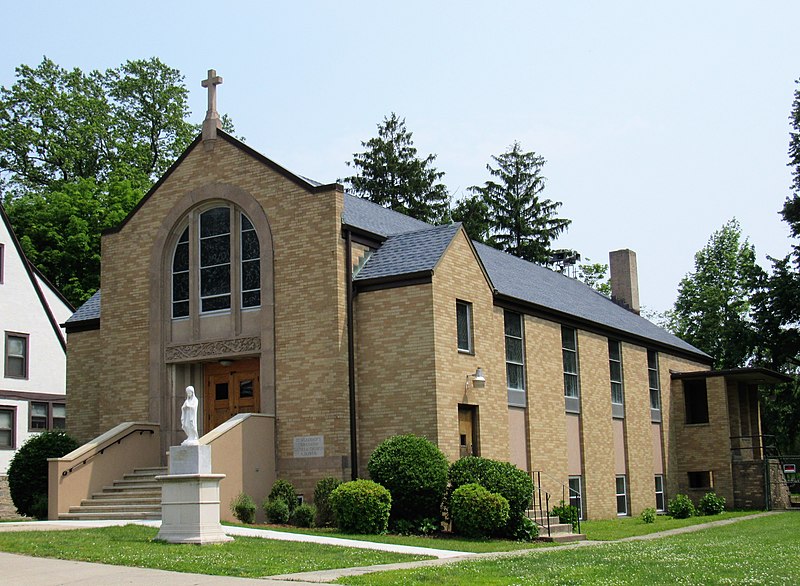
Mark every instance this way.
x=478 y=380
x=224 y=362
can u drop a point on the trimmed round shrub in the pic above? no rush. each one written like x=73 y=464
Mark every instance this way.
x=414 y=471
x=712 y=504
x=681 y=507
x=27 y=473
x=649 y=515
x=322 y=492
x=476 y=512
x=303 y=515
x=283 y=489
x=243 y=508
x=503 y=478
x=361 y=506
x=277 y=511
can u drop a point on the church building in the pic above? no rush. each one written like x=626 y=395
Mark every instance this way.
x=314 y=324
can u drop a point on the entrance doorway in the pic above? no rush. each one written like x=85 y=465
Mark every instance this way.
x=468 y=430
x=230 y=390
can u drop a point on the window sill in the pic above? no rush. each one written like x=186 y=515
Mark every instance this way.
x=706 y=424
x=466 y=352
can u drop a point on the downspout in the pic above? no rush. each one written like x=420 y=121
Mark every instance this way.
x=351 y=356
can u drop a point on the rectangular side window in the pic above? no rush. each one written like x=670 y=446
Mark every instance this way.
x=701 y=479
x=515 y=359
x=622 y=496
x=40 y=415
x=695 y=395
x=654 y=385
x=576 y=494
x=16 y=355
x=464 y=326
x=660 y=493
x=615 y=371
x=569 y=354
x=7 y=435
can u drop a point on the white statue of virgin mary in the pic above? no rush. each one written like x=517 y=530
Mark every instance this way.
x=189 y=418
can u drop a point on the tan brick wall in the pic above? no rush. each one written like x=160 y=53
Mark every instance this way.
x=459 y=276
x=547 y=426
x=598 y=433
x=310 y=333
x=638 y=429
x=84 y=356
x=395 y=366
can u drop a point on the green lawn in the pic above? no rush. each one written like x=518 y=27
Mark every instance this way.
x=612 y=529
x=762 y=551
x=132 y=545
x=448 y=542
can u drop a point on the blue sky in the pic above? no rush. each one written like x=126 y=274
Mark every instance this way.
x=659 y=122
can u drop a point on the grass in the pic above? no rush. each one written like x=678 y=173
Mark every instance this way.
x=761 y=551
x=442 y=541
x=612 y=529
x=250 y=557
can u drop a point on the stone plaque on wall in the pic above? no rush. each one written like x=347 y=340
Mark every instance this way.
x=309 y=446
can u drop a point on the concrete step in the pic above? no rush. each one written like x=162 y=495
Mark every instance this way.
x=563 y=537
x=110 y=502
x=137 y=481
x=133 y=516
x=534 y=516
x=116 y=509
x=556 y=529
x=121 y=486
x=130 y=494
x=155 y=471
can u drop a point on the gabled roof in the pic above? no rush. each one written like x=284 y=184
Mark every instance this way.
x=365 y=216
x=408 y=254
x=32 y=276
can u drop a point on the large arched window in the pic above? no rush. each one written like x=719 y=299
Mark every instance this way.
x=220 y=247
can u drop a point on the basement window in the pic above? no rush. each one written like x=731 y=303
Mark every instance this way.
x=695 y=397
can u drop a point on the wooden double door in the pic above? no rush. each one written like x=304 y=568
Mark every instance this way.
x=230 y=390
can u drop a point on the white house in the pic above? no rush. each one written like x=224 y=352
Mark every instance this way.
x=33 y=367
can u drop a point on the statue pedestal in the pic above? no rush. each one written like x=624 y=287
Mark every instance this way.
x=190 y=498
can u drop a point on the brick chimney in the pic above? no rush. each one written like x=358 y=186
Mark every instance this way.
x=624 y=279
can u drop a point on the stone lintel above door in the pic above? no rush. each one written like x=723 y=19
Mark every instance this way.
x=212 y=350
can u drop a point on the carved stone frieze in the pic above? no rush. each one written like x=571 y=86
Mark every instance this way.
x=216 y=349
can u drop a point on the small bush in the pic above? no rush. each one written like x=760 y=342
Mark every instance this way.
x=322 y=492
x=277 y=511
x=414 y=470
x=523 y=529
x=27 y=472
x=712 y=504
x=243 y=508
x=283 y=489
x=476 y=512
x=361 y=506
x=303 y=515
x=425 y=526
x=649 y=516
x=681 y=507
x=502 y=478
x=566 y=514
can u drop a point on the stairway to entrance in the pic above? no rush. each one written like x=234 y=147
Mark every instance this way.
x=136 y=496
x=552 y=530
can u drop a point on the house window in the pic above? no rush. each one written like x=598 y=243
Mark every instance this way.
x=7 y=416
x=653 y=381
x=569 y=354
x=576 y=494
x=622 y=496
x=464 y=326
x=615 y=369
x=515 y=359
x=695 y=395
x=227 y=256
x=16 y=355
x=701 y=479
x=46 y=415
x=660 y=493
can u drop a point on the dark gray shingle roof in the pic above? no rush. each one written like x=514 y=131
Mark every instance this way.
x=408 y=253
x=365 y=215
x=88 y=311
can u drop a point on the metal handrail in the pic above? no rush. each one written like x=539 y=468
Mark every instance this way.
x=563 y=486
x=103 y=449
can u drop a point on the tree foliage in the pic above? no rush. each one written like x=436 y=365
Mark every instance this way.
x=473 y=213
x=77 y=152
x=390 y=173
x=521 y=220
x=713 y=309
x=596 y=276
